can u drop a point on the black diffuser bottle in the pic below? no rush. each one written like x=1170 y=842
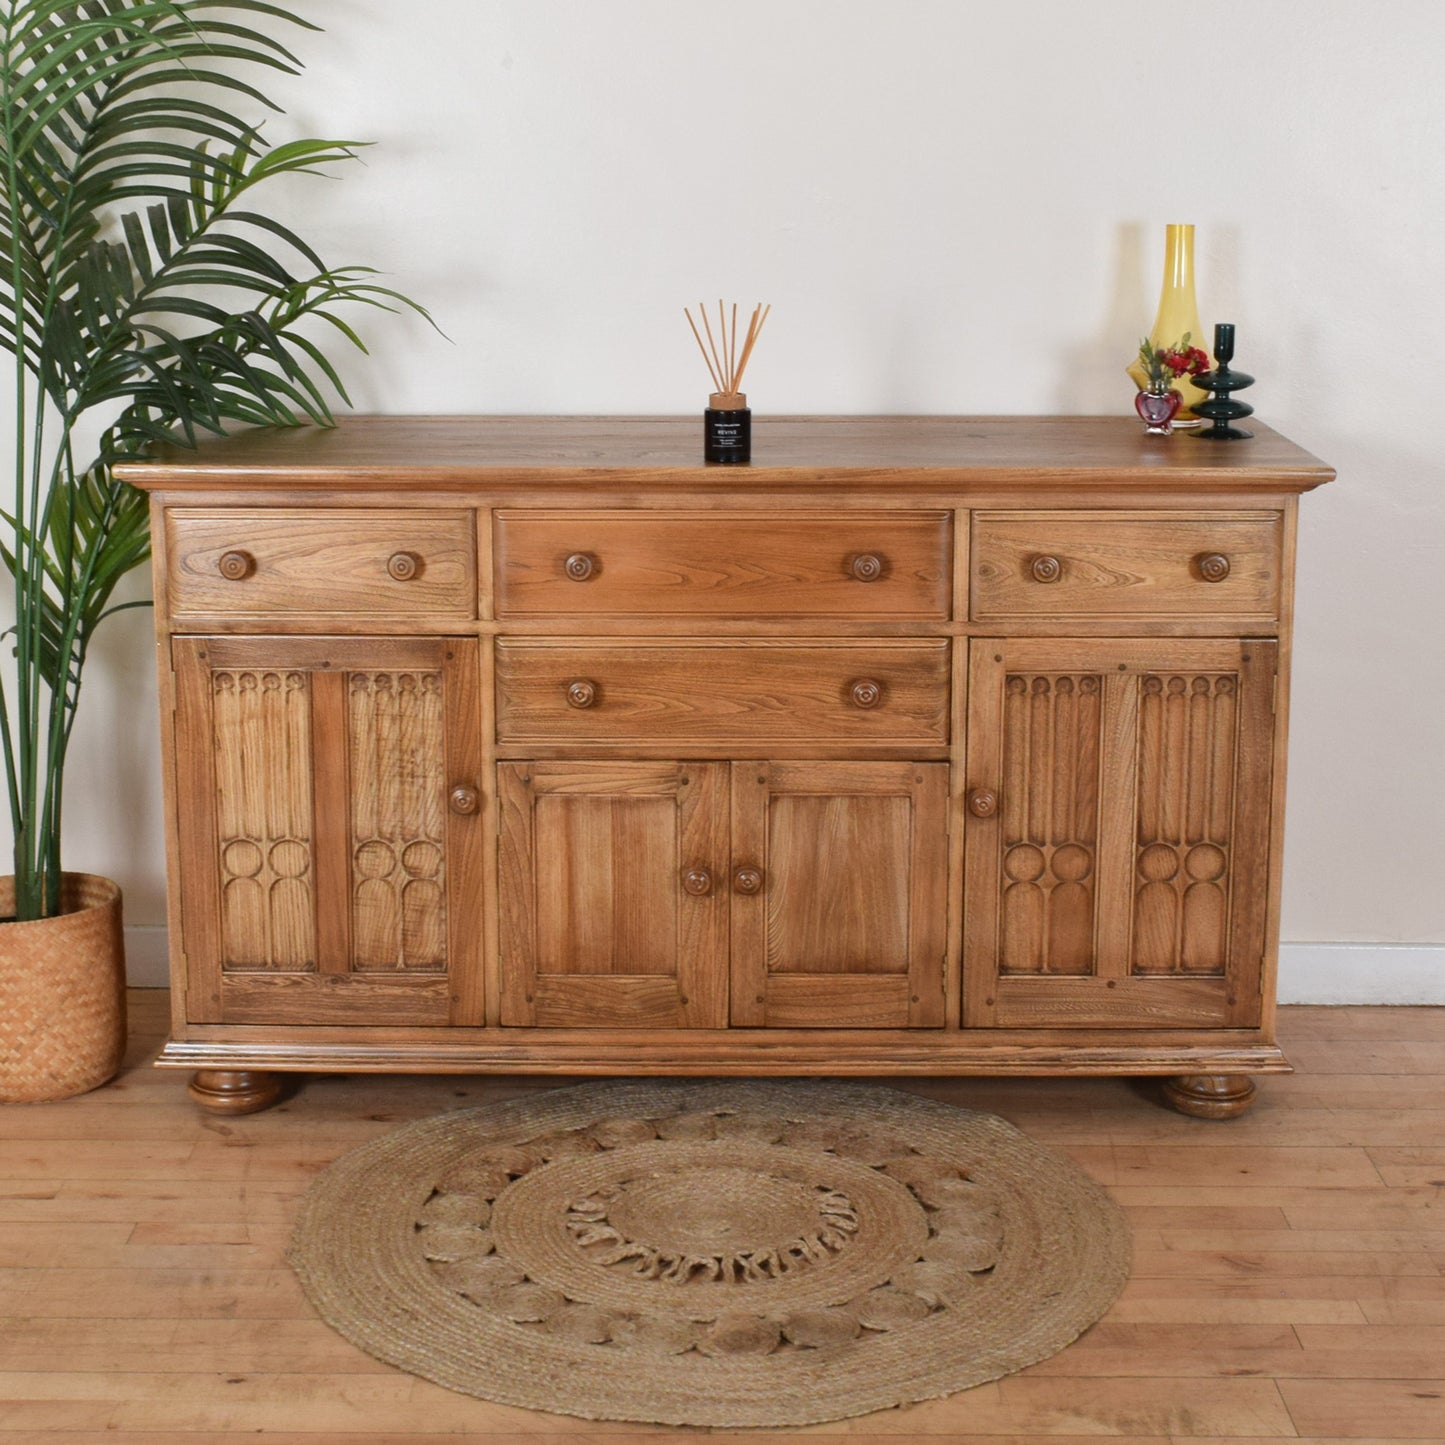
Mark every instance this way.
x=1221 y=408
x=727 y=429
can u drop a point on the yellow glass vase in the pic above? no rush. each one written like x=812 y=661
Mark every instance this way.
x=1178 y=315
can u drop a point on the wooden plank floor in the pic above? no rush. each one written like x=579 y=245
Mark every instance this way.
x=1289 y=1281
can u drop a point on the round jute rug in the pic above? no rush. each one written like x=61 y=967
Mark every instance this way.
x=738 y=1253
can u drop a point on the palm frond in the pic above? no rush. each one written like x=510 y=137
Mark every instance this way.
x=137 y=289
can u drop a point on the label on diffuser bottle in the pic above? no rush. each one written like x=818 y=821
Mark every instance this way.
x=727 y=435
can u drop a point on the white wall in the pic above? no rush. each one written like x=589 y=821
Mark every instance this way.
x=953 y=207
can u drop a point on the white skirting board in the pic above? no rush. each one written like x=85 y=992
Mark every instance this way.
x=1399 y=973
x=1408 y=973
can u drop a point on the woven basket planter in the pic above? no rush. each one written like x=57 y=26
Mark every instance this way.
x=62 y=993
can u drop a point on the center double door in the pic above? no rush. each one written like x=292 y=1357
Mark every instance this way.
x=710 y=894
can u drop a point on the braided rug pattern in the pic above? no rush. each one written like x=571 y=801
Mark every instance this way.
x=746 y=1253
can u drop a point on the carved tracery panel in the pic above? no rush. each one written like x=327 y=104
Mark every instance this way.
x=1050 y=823
x=398 y=823
x=264 y=831
x=1187 y=746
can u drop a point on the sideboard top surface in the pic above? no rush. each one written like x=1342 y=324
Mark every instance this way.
x=943 y=454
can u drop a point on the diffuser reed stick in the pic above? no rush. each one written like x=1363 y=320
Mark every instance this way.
x=727 y=424
x=725 y=365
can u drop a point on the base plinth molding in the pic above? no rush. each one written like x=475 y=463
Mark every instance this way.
x=234 y=1091
x=1210 y=1096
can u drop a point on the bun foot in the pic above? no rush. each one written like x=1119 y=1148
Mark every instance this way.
x=234 y=1091
x=1210 y=1096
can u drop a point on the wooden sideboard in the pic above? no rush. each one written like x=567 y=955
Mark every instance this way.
x=919 y=746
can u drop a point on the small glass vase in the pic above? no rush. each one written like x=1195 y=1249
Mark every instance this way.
x=1157 y=410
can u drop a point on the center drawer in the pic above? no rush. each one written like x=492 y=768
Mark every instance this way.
x=728 y=564
x=716 y=691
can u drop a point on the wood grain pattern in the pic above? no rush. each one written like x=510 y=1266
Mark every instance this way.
x=938 y=455
x=760 y=693
x=262 y=723
x=850 y=922
x=329 y=750
x=1124 y=566
x=598 y=930
x=353 y=998
x=1052 y=1002
x=730 y=565
x=396 y=744
x=321 y=563
x=771 y=1052
x=853 y=1001
x=1282 y=1290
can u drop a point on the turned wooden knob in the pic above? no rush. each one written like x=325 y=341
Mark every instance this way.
x=748 y=880
x=463 y=799
x=982 y=802
x=865 y=692
x=1046 y=569
x=1213 y=566
x=581 y=693
x=236 y=566
x=403 y=566
x=866 y=567
x=580 y=566
x=697 y=881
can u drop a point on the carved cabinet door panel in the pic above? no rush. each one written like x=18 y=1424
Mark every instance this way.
x=839 y=894
x=1118 y=814
x=330 y=829
x=613 y=894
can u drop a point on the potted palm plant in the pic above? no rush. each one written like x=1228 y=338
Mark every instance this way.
x=143 y=296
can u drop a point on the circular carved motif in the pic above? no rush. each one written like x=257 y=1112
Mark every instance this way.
x=422 y=859
x=290 y=858
x=1205 y=863
x=242 y=858
x=375 y=859
x=1023 y=863
x=1072 y=863
x=1158 y=863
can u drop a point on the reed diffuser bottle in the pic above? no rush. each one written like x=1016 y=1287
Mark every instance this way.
x=727 y=423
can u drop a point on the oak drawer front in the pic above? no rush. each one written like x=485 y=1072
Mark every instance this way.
x=753 y=693
x=699 y=564
x=353 y=562
x=1102 y=564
